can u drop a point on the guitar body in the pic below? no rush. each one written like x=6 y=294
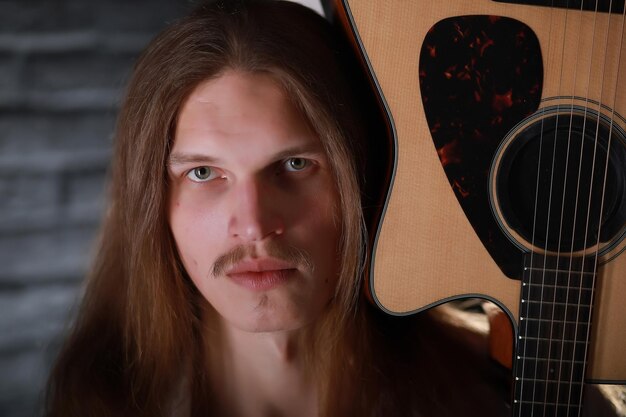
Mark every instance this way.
x=447 y=229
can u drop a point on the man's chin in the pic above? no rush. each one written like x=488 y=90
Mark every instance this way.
x=272 y=323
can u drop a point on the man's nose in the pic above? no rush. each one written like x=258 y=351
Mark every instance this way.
x=255 y=213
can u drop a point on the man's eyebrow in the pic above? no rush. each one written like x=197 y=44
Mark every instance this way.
x=179 y=158
x=309 y=148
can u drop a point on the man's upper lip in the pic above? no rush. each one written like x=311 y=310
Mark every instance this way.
x=259 y=265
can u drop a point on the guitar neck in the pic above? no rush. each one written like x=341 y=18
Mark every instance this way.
x=552 y=346
x=615 y=6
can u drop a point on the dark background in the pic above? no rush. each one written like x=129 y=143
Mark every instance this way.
x=63 y=66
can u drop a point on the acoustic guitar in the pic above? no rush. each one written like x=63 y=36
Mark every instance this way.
x=507 y=179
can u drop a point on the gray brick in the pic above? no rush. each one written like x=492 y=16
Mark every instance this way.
x=29 y=42
x=91 y=99
x=127 y=41
x=24 y=132
x=72 y=41
x=69 y=70
x=45 y=15
x=125 y=16
x=42 y=15
x=10 y=68
x=35 y=219
x=44 y=189
x=21 y=190
x=58 y=255
x=83 y=194
x=53 y=162
x=35 y=317
x=22 y=383
x=33 y=322
x=80 y=213
x=78 y=202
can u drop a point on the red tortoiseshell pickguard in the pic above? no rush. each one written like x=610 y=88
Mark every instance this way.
x=479 y=77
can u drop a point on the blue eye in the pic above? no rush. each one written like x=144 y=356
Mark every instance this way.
x=202 y=174
x=296 y=164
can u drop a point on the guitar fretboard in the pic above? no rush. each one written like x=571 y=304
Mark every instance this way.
x=554 y=329
x=615 y=6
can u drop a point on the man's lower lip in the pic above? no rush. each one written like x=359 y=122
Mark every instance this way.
x=263 y=280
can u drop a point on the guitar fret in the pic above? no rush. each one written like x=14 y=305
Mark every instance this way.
x=554 y=302
x=547 y=381
x=548 y=391
x=547 y=403
x=559 y=271
x=543 y=410
x=570 y=287
x=526 y=358
x=553 y=350
x=560 y=294
x=553 y=369
x=550 y=321
x=561 y=263
x=553 y=329
x=539 y=348
x=552 y=279
x=555 y=312
x=551 y=340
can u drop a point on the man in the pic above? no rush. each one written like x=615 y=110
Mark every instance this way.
x=228 y=279
x=254 y=212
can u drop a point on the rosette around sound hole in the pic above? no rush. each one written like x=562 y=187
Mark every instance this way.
x=561 y=184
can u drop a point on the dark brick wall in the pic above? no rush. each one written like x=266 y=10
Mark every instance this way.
x=63 y=65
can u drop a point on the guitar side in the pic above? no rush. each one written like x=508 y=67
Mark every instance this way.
x=426 y=251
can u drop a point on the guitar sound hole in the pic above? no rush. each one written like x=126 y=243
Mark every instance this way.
x=561 y=156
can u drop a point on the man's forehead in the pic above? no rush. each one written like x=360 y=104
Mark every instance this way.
x=237 y=115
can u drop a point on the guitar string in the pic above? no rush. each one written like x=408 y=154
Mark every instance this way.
x=620 y=46
x=531 y=269
x=579 y=175
x=589 y=207
x=534 y=225
x=552 y=337
x=571 y=255
x=543 y=271
x=556 y=132
x=547 y=233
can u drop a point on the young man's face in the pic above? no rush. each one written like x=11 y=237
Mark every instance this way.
x=253 y=206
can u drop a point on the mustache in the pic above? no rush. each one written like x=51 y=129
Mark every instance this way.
x=291 y=254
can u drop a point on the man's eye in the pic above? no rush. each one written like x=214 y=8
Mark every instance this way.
x=296 y=164
x=202 y=174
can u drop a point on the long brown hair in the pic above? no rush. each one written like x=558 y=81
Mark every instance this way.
x=140 y=316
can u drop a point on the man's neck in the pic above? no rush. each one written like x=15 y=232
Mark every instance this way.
x=263 y=374
x=280 y=347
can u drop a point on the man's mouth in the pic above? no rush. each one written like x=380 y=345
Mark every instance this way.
x=261 y=274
